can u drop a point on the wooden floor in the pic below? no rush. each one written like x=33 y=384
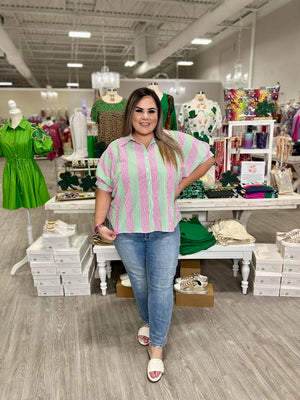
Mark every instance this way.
x=76 y=348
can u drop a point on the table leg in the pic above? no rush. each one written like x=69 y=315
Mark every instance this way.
x=245 y=275
x=108 y=269
x=242 y=216
x=102 y=275
x=235 y=267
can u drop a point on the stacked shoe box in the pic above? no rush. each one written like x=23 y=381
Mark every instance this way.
x=290 y=284
x=62 y=264
x=266 y=270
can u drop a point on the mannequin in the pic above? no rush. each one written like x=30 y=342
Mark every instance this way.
x=78 y=125
x=201 y=97
x=154 y=86
x=168 y=107
x=200 y=117
x=23 y=182
x=15 y=114
x=112 y=97
x=108 y=112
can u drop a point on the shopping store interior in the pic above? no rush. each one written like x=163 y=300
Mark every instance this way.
x=69 y=326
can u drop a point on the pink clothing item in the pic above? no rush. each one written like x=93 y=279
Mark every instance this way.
x=55 y=134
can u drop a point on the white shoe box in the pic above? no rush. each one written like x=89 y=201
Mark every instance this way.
x=43 y=268
x=85 y=277
x=50 y=290
x=58 y=241
x=75 y=268
x=291 y=266
x=289 y=291
x=36 y=252
x=265 y=290
x=267 y=258
x=78 y=289
x=291 y=279
x=291 y=252
x=47 y=280
x=73 y=254
x=265 y=278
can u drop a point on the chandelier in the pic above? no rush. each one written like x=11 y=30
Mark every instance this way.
x=177 y=89
x=49 y=94
x=237 y=79
x=105 y=79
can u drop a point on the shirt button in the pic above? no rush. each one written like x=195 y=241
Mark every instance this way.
x=12 y=143
x=16 y=155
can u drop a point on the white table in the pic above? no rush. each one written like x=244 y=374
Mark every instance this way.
x=107 y=253
x=240 y=207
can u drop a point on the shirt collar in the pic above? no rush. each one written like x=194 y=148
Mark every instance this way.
x=129 y=138
x=22 y=124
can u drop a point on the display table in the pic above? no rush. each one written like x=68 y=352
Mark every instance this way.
x=107 y=253
x=240 y=207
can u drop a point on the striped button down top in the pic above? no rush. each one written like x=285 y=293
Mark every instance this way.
x=142 y=186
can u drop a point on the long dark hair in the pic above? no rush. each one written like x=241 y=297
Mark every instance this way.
x=168 y=147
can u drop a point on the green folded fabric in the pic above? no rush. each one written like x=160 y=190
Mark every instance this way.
x=194 y=237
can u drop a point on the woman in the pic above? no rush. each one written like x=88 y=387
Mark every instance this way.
x=139 y=176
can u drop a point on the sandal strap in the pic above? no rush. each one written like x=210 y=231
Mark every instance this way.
x=155 y=365
x=144 y=331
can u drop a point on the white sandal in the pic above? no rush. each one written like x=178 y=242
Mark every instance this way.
x=143 y=331
x=155 y=365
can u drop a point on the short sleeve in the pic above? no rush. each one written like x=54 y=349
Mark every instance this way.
x=94 y=113
x=104 y=172
x=42 y=142
x=195 y=152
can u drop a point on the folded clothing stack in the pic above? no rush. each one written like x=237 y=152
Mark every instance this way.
x=193 y=191
x=257 y=191
x=230 y=232
x=218 y=193
x=194 y=236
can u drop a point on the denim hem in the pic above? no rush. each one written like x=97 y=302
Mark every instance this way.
x=158 y=346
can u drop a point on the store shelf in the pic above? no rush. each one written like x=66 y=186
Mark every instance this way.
x=267 y=152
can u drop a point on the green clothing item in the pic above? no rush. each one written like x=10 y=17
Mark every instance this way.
x=23 y=182
x=169 y=113
x=194 y=237
x=110 y=118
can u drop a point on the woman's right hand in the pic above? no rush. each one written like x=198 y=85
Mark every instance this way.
x=107 y=234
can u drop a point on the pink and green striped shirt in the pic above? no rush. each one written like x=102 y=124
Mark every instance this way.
x=142 y=186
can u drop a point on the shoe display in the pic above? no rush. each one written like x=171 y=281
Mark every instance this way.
x=191 y=286
x=201 y=278
x=291 y=238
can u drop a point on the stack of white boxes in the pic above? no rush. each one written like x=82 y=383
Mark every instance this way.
x=266 y=270
x=290 y=284
x=62 y=264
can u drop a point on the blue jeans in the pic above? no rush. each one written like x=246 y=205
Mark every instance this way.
x=150 y=260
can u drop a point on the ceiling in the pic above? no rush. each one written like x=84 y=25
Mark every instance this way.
x=36 y=47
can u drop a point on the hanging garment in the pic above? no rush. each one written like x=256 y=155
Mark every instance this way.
x=23 y=182
x=55 y=134
x=194 y=236
x=200 y=119
x=110 y=118
x=169 y=113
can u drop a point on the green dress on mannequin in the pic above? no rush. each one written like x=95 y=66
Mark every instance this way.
x=23 y=182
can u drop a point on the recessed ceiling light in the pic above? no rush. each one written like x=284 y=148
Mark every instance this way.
x=72 y=84
x=74 y=65
x=201 y=41
x=186 y=63
x=130 y=63
x=5 y=83
x=79 y=34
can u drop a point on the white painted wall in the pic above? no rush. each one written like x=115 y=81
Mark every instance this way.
x=276 y=53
